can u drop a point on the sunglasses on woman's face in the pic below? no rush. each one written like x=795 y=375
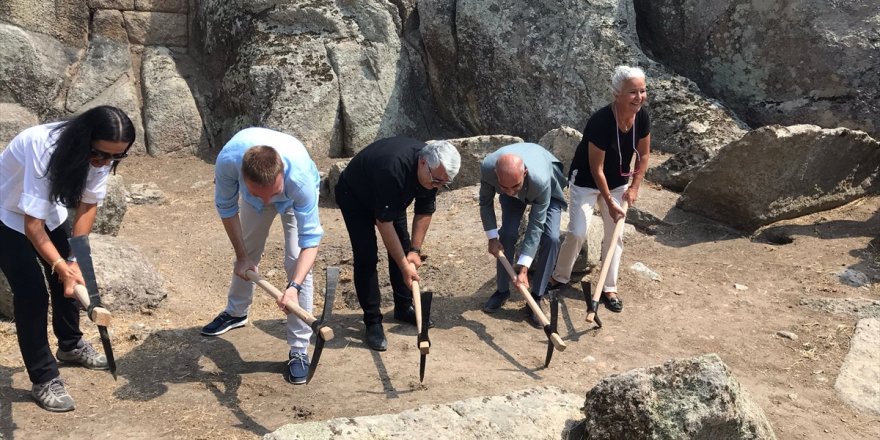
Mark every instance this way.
x=103 y=155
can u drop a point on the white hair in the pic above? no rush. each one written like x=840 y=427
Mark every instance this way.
x=621 y=75
x=438 y=153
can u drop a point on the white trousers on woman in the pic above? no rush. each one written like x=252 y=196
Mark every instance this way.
x=255 y=229
x=582 y=200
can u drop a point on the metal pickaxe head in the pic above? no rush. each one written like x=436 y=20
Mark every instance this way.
x=324 y=333
x=552 y=328
x=426 y=298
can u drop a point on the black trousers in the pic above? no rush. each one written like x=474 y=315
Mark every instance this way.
x=360 y=222
x=27 y=274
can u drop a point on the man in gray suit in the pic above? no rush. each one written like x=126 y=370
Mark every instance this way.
x=523 y=174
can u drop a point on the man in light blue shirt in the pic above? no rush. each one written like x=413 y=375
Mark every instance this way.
x=523 y=174
x=258 y=174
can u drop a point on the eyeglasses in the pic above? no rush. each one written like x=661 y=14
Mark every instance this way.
x=435 y=180
x=620 y=152
x=638 y=165
x=103 y=155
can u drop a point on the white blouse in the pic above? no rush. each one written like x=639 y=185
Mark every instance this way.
x=24 y=186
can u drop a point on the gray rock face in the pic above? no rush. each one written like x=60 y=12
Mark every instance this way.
x=145 y=194
x=859 y=307
x=13 y=120
x=112 y=211
x=168 y=102
x=473 y=150
x=859 y=380
x=126 y=279
x=776 y=173
x=333 y=179
x=336 y=75
x=694 y=398
x=803 y=61
x=156 y=28
x=534 y=414
x=6 y=306
x=105 y=62
x=33 y=70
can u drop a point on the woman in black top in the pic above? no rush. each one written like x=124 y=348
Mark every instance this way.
x=600 y=171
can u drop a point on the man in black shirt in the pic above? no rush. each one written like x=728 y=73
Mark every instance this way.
x=376 y=188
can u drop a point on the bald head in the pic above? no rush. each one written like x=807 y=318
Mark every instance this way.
x=511 y=172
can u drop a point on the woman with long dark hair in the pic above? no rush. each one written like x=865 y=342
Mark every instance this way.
x=45 y=170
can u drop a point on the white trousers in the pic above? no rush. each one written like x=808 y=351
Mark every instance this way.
x=582 y=201
x=255 y=229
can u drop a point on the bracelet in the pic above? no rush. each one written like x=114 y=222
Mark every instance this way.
x=295 y=285
x=55 y=263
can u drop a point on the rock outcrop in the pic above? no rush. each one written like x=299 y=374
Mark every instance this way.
x=694 y=398
x=776 y=173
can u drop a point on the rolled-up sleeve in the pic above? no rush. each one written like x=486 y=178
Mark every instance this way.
x=96 y=185
x=427 y=204
x=226 y=172
x=305 y=209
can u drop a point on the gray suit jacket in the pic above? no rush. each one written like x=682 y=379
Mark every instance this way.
x=544 y=181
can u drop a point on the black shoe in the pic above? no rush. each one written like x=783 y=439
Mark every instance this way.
x=534 y=321
x=496 y=301
x=614 y=304
x=551 y=286
x=408 y=316
x=374 y=337
x=223 y=323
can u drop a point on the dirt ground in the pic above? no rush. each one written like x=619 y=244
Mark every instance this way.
x=175 y=383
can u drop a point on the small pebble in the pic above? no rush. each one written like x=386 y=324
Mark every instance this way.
x=738 y=286
x=787 y=335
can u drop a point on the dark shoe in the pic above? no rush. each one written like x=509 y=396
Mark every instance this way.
x=298 y=368
x=374 y=336
x=551 y=285
x=496 y=301
x=532 y=317
x=85 y=355
x=614 y=304
x=408 y=316
x=223 y=323
x=52 y=396
x=534 y=321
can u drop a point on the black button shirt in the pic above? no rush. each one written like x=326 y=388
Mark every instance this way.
x=384 y=177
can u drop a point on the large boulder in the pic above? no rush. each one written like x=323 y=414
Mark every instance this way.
x=105 y=62
x=337 y=75
x=784 y=63
x=127 y=280
x=694 y=398
x=776 y=173
x=168 y=102
x=64 y=20
x=562 y=142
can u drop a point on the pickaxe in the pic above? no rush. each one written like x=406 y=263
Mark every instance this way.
x=593 y=304
x=324 y=333
x=553 y=339
x=423 y=314
x=89 y=297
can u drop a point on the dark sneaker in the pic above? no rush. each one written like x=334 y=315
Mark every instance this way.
x=408 y=315
x=534 y=321
x=614 y=304
x=298 y=368
x=223 y=323
x=52 y=396
x=374 y=337
x=496 y=301
x=85 y=355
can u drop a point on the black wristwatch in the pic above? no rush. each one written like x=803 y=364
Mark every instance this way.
x=295 y=285
x=416 y=250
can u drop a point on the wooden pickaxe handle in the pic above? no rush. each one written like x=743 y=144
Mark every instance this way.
x=554 y=337
x=424 y=346
x=606 y=262
x=326 y=332
x=99 y=315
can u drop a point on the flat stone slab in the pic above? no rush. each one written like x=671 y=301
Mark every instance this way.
x=532 y=414
x=859 y=380
x=859 y=307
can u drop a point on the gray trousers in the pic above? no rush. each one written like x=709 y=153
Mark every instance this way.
x=255 y=229
x=512 y=210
